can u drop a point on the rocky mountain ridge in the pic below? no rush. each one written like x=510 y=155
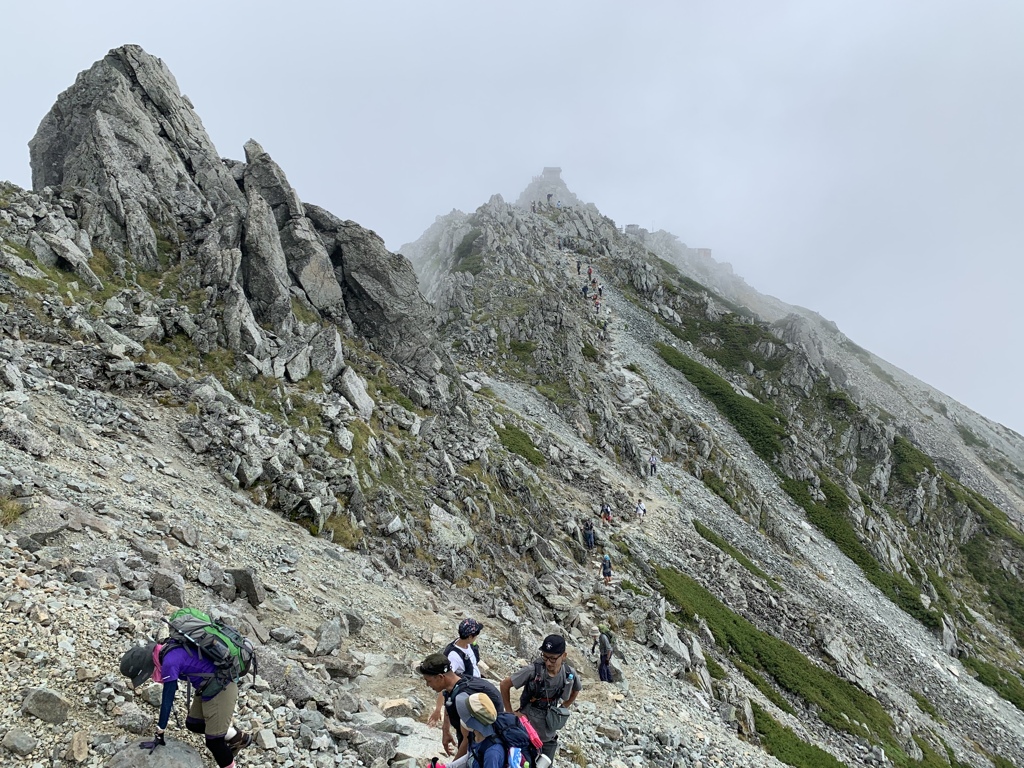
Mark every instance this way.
x=218 y=394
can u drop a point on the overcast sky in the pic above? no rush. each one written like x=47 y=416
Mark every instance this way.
x=863 y=159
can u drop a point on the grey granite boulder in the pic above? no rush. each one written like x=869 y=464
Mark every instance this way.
x=174 y=754
x=49 y=706
x=124 y=134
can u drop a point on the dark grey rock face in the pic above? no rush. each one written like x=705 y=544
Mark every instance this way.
x=382 y=296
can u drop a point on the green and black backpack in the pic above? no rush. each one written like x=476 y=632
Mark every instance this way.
x=233 y=655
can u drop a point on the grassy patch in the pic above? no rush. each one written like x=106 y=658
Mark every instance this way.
x=517 y=441
x=909 y=462
x=303 y=312
x=839 y=401
x=715 y=669
x=10 y=510
x=630 y=586
x=924 y=705
x=780 y=741
x=729 y=341
x=557 y=391
x=344 y=530
x=830 y=519
x=1004 y=592
x=469 y=257
x=1006 y=683
x=841 y=704
x=993 y=516
x=523 y=350
x=589 y=351
x=970 y=438
x=734 y=553
x=762 y=685
x=718 y=487
x=761 y=425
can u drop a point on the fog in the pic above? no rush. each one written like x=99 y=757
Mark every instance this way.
x=862 y=159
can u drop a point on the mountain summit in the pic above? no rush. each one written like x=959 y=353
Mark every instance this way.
x=217 y=394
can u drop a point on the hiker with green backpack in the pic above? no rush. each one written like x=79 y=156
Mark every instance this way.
x=210 y=657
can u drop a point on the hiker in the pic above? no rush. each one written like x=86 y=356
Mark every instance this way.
x=641 y=510
x=603 y=642
x=652 y=465
x=579 y=265
x=550 y=686
x=464 y=653
x=590 y=272
x=478 y=713
x=211 y=710
x=463 y=657
x=588 y=532
x=550 y=195
x=438 y=675
x=606 y=512
x=600 y=289
x=606 y=570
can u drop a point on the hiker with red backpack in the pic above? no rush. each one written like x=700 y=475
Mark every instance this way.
x=211 y=658
x=550 y=686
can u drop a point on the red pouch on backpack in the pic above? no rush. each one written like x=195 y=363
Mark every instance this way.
x=531 y=732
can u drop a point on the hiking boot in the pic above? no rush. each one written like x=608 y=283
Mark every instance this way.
x=239 y=742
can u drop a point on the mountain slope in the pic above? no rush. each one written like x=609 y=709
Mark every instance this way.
x=218 y=394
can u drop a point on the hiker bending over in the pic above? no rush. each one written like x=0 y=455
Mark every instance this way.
x=212 y=708
x=440 y=677
x=550 y=686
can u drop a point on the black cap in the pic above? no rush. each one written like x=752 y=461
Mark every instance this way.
x=553 y=644
x=434 y=664
x=137 y=663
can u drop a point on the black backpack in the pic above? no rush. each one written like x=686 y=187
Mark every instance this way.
x=519 y=750
x=462 y=654
x=467 y=684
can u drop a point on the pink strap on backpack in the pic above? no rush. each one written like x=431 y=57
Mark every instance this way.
x=535 y=739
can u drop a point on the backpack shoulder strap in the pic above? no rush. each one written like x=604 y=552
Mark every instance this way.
x=462 y=655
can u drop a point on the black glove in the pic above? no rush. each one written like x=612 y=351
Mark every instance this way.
x=158 y=741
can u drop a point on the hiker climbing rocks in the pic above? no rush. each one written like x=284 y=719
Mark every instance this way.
x=606 y=512
x=641 y=510
x=603 y=644
x=600 y=289
x=652 y=462
x=590 y=272
x=606 y=569
x=579 y=266
x=438 y=675
x=550 y=686
x=588 y=533
x=211 y=710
